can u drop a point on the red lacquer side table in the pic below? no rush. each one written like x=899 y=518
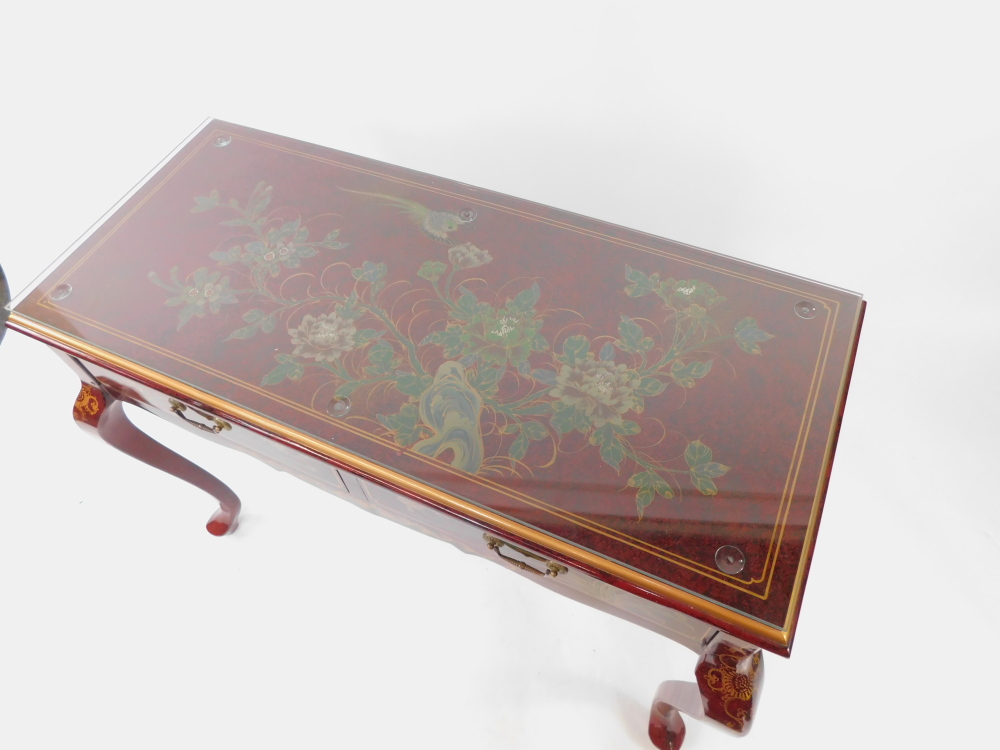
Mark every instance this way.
x=643 y=426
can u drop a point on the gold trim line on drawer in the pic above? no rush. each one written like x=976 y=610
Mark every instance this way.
x=776 y=636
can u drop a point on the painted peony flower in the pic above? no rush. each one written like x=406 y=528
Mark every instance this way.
x=468 y=255
x=323 y=338
x=602 y=390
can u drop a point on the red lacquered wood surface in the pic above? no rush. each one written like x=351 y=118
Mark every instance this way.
x=642 y=401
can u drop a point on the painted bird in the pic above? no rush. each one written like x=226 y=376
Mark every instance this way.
x=451 y=408
x=435 y=224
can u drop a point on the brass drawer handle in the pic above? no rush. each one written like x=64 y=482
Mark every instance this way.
x=216 y=426
x=551 y=568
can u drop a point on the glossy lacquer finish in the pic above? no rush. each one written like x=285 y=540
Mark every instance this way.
x=99 y=412
x=662 y=413
x=729 y=678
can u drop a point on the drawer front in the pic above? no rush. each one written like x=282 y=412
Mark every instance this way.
x=561 y=576
x=569 y=581
x=273 y=452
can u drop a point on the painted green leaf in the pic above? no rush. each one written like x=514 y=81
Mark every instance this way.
x=485 y=380
x=642 y=500
x=205 y=203
x=650 y=480
x=562 y=421
x=612 y=451
x=510 y=428
x=575 y=349
x=748 y=336
x=544 y=376
x=227 y=257
x=646 y=344
x=630 y=334
x=564 y=418
x=253 y=316
x=519 y=447
x=152 y=276
x=525 y=301
x=538 y=342
x=432 y=270
x=262 y=204
x=383 y=358
x=365 y=335
x=467 y=304
x=450 y=338
x=371 y=272
x=348 y=309
x=607 y=352
x=533 y=430
x=405 y=425
x=524 y=368
x=187 y=312
x=697 y=453
x=411 y=384
x=705 y=485
x=268 y=323
x=639 y=283
x=627 y=427
x=330 y=240
x=650 y=386
x=288 y=367
x=289 y=229
x=684 y=374
x=243 y=333
x=711 y=469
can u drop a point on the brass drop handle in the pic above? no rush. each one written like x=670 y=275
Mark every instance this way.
x=216 y=426
x=551 y=568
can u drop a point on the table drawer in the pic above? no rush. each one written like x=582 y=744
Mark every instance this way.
x=568 y=580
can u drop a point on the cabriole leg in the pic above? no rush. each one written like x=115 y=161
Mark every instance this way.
x=729 y=678
x=99 y=413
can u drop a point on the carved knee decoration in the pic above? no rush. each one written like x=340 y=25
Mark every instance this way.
x=729 y=679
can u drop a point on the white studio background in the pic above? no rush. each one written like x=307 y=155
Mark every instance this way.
x=856 y=143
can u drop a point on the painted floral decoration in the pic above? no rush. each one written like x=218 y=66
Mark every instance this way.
x=484 y=380
x=206 y=292
x=602 y=391
x=468 y=255
x=323 y=338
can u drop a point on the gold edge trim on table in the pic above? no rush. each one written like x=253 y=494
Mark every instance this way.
x=767 y=633
x=808 y=541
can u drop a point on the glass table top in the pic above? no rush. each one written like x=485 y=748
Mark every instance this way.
x=668 y=408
